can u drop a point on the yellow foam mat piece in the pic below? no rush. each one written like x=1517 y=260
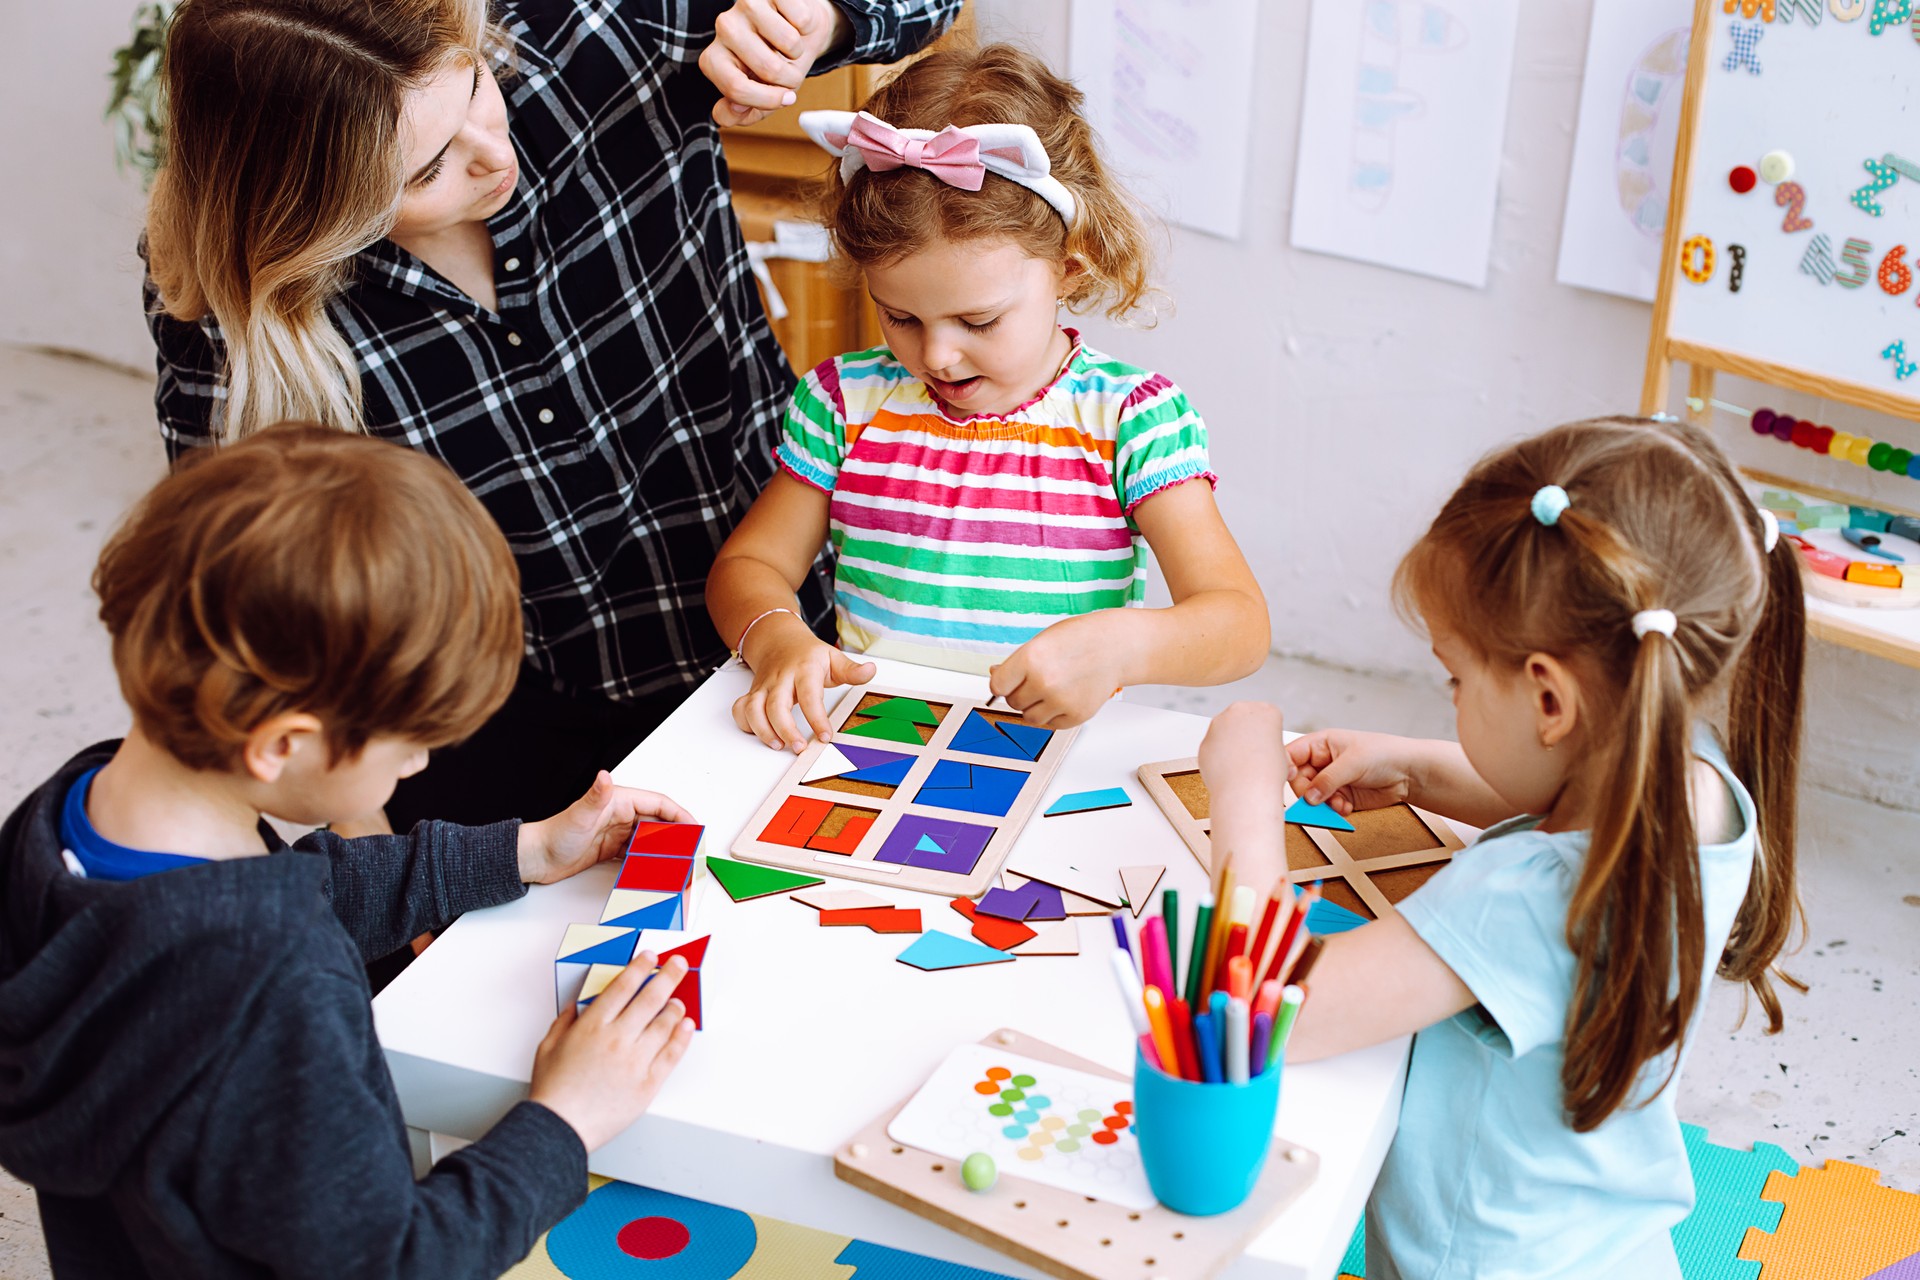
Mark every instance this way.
x=1838 y=1223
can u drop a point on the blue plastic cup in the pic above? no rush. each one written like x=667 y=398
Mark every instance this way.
x=1203 y=1145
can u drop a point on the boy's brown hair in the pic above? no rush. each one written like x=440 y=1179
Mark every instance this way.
x=880 y=218
x=303 y=569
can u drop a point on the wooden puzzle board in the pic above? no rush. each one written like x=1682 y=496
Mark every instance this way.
x=1060 y=1232
x=1389 y=853
x=952 y=799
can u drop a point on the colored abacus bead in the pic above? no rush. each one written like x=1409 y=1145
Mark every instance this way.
x=1857 y=451
x=1824 y=440
x=979 y=1172
x=1804 y=433
x=1913 y=468
x=1762 y=421
x=1838 y=446
x=1898 y=461
x=1783 y=427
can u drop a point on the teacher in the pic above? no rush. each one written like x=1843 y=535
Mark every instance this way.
x=505 y=239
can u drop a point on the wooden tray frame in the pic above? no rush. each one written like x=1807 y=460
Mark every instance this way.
x=1070 y=1236
x=860 y=865
x=1355 y=870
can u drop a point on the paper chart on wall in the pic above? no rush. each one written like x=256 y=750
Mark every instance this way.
x=1049 y=1124
x=1618 y=190
x=1404 y=116
x=1169 y=86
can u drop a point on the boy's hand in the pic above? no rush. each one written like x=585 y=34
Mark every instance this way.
x=592 y=829
x=600 y=1069
x=762 y=51
x=1064 y=675
x=1245 y=746
x=1351 y=770
x=790 y=664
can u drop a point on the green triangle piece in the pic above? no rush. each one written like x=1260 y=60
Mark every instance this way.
x=743 y=880
x=912 y=710
x=887 y=731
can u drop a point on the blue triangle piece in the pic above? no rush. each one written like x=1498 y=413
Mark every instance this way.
x=1302 y=814
x=612 y=951
x=979 y=736
x=926 y=845
x=867 y=757
x=1325 y=917
x=936 y=950
x=1087 y=801
x=1029 y=739
x=891 y=774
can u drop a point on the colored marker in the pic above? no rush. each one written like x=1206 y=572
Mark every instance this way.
x=1243 y=900
x=1186 y=1055
x=1155 y=968
x=1157 y=1019
x=1197 y=960
x=1261 y=1039
x=1120 y=939
x=1217 y=1010
x=1130 y=993
x=1170 y=912
x=1267 y=1000
x=1151 y=1053
x=1237 y=1045
x=1235 y=945
x=1240 y=978
x=1290 y=1003
x=1209 y=1043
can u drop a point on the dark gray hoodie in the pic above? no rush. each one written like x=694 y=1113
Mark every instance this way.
x=189 y=1075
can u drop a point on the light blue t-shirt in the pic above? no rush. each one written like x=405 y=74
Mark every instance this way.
x=1486 y=1178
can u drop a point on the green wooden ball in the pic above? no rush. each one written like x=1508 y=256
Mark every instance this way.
x=978 y=1172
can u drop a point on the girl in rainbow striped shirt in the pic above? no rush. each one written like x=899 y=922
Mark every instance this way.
x=989 y=483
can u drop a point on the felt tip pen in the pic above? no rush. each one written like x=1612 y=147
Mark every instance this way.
x=1188 y=1058
x=1154 y=966
x=1243 y=900
x=1235 y=945
x=1290 y=1002
x=1130 y=992
x=1157 y=1019
x=1151 y=1052
x=1120 y=940
x=1197 y=958
x=1208 y=1041
x=1170 y=912
x=1237 y=1042
x=1261 y=1040
x=1267 y=1000
x=1240 y=978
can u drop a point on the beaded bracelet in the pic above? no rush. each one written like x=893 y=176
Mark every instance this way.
x=739 y=648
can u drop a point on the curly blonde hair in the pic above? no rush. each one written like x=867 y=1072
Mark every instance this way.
x=877 y=219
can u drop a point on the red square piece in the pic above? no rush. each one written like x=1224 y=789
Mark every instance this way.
x=644 y=871
x=878 y=919
x=1001 y=935
x=796 y=822
x=672 y=839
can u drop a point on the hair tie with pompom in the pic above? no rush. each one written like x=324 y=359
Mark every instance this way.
x=959 y=156
x=1549 y=503
x=1660 y=620
x=1770 y=530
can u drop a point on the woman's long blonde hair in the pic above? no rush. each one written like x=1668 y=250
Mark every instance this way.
x=283 y=162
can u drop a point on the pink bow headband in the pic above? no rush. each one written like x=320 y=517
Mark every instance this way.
x=959 y=157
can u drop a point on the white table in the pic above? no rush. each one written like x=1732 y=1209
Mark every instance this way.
x=814 y=1031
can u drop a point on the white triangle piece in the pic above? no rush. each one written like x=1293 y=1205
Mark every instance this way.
x=827 y=898
x=1011 y=879
x=830 y=763
x=1079 y=906
x=1056 y=869
x=1061 y=939
x=1140 y=882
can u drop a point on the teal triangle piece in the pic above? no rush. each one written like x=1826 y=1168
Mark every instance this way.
x=911 y=710
x=926 y=845
x=1302 y=814
x=935 y=950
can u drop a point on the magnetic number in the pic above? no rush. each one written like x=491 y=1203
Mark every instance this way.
x=1854 y=254
x=1895 y=275
x=1792 y=197
x=1696 y=259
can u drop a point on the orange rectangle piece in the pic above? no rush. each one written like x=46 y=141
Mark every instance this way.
x=878 y=919
x=796 y=822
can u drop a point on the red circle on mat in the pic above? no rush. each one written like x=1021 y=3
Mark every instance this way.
x=1742 y=179
x=1106 y=1137
x=652 y=1239
x=1124 y=1108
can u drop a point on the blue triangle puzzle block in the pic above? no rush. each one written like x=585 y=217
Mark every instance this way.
x=1325 y=917
x=1302 y=814
x=582 y=947
x=1088 y=801
x=925 y=844
x=935 y=950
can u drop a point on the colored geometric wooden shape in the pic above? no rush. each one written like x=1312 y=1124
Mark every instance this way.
x=1316 y=815
x=1325 y=917
x=1002 y=935
x=645 y=871
x=1874 y=575
x=1062 y=939
x=1727 y=1204
x=886 y=731
x=911 y=710
x=971 y=788
x=936 y=950
x=799 y=817
x=958 y=844
x=830 y=763
x=1140 y=882
x=1002 y=738
x=854 y=825
x=1839 y=1223
x=671 y=839
x=827 y=898
x=1089 y=802
x=889 y=774
x=1031 y=901
x=746 y=880
x=1821 y=561
x=596 y=944
x=644 y=909
x=878 y=919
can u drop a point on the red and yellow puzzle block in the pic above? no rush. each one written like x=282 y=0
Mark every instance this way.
x=646 y=909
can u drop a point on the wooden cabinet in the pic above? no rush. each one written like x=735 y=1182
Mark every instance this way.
x=771 y=162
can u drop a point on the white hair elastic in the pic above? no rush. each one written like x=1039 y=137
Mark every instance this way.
x=1660 y=620
x=1771 y=523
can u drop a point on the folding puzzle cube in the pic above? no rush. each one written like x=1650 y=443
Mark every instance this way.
x=651 y=892
x=584 y=948
x=692 y=947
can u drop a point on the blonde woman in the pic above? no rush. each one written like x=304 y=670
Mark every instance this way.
x=504 y=238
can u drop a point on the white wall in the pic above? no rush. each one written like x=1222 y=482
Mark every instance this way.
x=70 y=220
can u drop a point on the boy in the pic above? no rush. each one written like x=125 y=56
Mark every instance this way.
x=188 y=1070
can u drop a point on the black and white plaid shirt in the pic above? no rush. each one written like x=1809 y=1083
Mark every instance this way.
x=617 y=415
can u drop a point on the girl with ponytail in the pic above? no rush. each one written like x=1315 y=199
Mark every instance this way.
x=1600 y=594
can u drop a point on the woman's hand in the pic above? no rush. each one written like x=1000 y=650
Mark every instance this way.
x=1062 y=676
x=600 y=1069
x=762 y=51
x=592 y=829
x=791 y=665
x=1352 y=770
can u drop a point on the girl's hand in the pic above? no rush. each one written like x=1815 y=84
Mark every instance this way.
x=1351 y=770
x=762 y=51
x=1062 y=676
x=790 y=664
x=1245 y=746
x=592 y=829
x=600 y=1069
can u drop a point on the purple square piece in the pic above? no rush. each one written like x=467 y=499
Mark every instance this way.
x=1007 y=904
x=935 y=844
